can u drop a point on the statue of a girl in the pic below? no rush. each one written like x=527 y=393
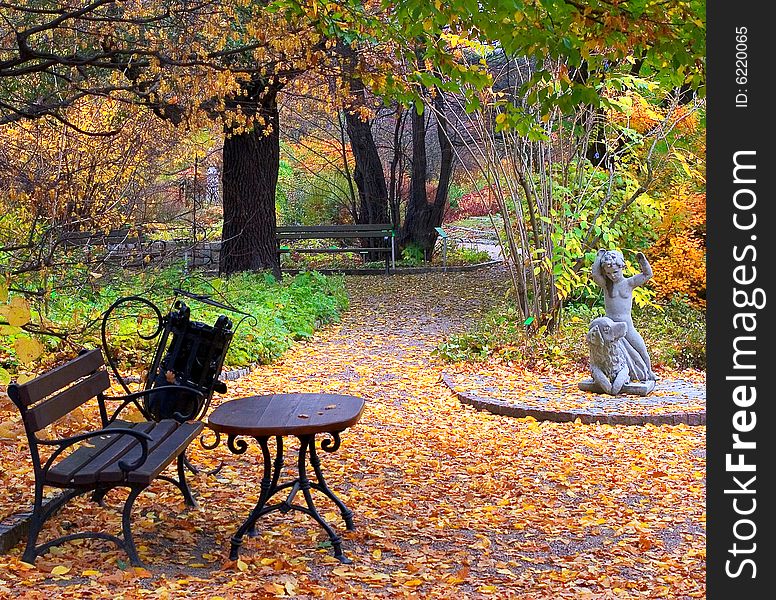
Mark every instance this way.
x=607 y=272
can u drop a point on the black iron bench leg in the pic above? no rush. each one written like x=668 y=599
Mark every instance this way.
x=98 y=497
x=196 y=471
x=39 y=517
x=126 y=527
x=181 y=482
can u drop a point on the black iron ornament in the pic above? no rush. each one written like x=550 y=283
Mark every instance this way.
x=187 y=361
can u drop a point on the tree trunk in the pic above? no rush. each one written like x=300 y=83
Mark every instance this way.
x=250 y=176
x=423 y=217
x=369 y=175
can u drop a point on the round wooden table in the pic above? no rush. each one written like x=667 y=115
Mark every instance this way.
x=302 y=416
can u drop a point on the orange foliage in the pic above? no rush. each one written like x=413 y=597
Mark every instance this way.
x=680 y=251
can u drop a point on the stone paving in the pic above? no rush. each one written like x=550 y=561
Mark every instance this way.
x=673 y=401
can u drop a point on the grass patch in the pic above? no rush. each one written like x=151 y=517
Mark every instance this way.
x=285 y=311
x=675 y=336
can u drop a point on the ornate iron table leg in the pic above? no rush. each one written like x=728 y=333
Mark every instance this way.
x=308 y=443
x=347 y=514
x=239 y=447
x=270 y=486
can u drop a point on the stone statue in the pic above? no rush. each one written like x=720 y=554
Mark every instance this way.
x=618 y=354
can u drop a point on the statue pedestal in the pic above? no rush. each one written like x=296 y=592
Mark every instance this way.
x=637 y=388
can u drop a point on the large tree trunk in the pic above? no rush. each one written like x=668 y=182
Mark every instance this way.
x=369 y=175
x=423 y=217
x=250 y=176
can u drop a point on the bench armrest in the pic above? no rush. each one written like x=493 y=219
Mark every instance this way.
x=65 y=443
x=132 y=398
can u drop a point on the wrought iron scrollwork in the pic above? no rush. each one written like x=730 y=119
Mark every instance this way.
x=210 y=445
x=331 y=444
x=235 y=445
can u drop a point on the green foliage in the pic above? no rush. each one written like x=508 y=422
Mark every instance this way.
x=284 y=311
x=288 y=210
x=413 y=255
x=457 y=254
x=305 y=199
x=675 y=336
x=454 y=195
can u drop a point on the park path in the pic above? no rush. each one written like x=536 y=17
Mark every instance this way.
x=449 y=502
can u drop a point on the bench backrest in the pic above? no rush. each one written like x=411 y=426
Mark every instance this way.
x=51 y=396
x=301 y=232
x=193 y=353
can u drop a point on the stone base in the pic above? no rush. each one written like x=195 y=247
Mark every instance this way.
x=637 y=388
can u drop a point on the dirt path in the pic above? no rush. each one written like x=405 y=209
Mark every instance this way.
x=448 y=502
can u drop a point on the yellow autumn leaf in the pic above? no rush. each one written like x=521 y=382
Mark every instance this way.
x=10 y=430
x=18 y=315
x=27 y=349
x=20 y=302
x=242 y=565
x=60 y=570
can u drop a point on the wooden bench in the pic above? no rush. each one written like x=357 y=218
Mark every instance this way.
x=373 y=233
x=118 y=454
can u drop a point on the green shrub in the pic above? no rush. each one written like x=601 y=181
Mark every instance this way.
x=284 y=312
x=675 y=336
x=413 y=255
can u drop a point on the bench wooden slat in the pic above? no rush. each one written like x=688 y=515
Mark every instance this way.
x=54 y=408
x=112 y=473
x=335 y=228
x=88 y=474
x=324 y=250
x=34 y=391
x=339 y=235
x=63 y=471
x=166 y=452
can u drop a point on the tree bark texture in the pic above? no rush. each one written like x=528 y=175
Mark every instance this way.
x=368 y=174
x=250 y=176
x=423 y=217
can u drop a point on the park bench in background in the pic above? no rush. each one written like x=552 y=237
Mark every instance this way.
x=379 y=238
x=117 y=453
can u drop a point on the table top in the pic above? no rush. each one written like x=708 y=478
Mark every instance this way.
x=286 y=414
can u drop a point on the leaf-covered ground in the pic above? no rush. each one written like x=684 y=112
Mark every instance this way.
x=449 y=502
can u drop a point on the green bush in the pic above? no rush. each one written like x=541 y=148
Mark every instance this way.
x=284 y=312
x=413 y=255
x=675 y=335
